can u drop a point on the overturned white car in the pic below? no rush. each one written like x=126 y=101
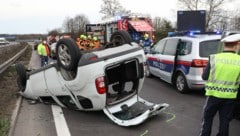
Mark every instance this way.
x=107 y=79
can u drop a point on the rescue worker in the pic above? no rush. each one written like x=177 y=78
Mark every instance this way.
x=84 y=42
x=147 y=43
x=43 y=52
x=222 y=74
x=96 y=43
x=89 y=42
x=80 y=42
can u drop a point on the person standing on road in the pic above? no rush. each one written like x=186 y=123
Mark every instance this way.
x=43 y=52
x=147 y=43
x=223 y=78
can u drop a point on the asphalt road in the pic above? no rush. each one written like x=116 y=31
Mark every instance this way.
x=181 y=118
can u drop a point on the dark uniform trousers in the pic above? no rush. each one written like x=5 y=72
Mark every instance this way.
x=225 y=110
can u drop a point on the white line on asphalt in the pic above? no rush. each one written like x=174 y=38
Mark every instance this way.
x=60 y=122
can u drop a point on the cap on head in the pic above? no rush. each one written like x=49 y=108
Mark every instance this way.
x=231 y=38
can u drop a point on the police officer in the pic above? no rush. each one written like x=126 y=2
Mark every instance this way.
x=222 y=74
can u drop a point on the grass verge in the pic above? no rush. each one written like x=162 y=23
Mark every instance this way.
x=4 y=126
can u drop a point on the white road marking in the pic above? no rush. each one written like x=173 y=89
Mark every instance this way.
x=60 y=122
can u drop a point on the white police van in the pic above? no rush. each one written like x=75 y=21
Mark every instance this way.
x=180 y=60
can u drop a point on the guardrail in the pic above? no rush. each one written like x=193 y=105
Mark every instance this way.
x=9 y=62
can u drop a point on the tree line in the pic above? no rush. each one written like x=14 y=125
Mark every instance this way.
x=217 y=18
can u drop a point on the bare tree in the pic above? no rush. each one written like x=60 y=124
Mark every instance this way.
x=80 y=22
x=157 y=21
x=162 y=26
x=54 y=32
x=189 y=4
x=235 y=21
x=215 y=14
x=75 y=26
x=112 y=8
x=68 y=25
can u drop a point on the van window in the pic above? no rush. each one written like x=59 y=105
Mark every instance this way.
x=207 y=48
x=185 y=47
x=171 y=47
x=158 y=47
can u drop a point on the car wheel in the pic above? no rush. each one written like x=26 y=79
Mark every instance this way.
x=67 y=54
x=181 y=83
x=21 y=76
x=119 y=38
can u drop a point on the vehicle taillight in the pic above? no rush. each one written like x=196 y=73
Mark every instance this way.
x=199 y=63
x=100 y=85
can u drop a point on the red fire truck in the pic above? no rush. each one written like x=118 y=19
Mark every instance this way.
x=137 y=26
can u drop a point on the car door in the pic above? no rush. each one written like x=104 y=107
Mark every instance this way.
x=167 y=62
x=133 y=111
x=153 y=58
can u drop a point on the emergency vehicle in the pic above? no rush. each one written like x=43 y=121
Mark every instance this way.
x=181 y=59
x=135 y=25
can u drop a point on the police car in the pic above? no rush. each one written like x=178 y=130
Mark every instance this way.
x=180 y=60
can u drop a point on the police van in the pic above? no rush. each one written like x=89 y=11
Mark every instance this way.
x=181 y=58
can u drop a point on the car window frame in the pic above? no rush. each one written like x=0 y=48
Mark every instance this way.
x=158 y=44
x=166 y=47
x=188 y=50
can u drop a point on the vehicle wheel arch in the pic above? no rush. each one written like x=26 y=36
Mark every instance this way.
x=119 y=38
x=179 y=74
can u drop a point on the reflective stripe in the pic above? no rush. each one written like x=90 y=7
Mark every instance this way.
x=221 y=89
x=213 y=68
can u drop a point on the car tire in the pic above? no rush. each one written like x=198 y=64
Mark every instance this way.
x=181 y=83
x=67 y=54
x=119 y=38
x=21 y=76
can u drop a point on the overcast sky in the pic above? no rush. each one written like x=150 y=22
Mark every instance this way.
x=40 y=16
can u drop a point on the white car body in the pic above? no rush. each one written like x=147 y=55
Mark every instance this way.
x=96 y=71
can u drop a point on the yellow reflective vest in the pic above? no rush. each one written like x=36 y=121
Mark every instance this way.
x=224 y=76
x=42 y=50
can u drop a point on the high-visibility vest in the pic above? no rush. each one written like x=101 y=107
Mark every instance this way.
x=224 y=76
x=43 y=50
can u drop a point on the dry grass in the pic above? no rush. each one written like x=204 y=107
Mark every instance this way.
x=9 y=90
